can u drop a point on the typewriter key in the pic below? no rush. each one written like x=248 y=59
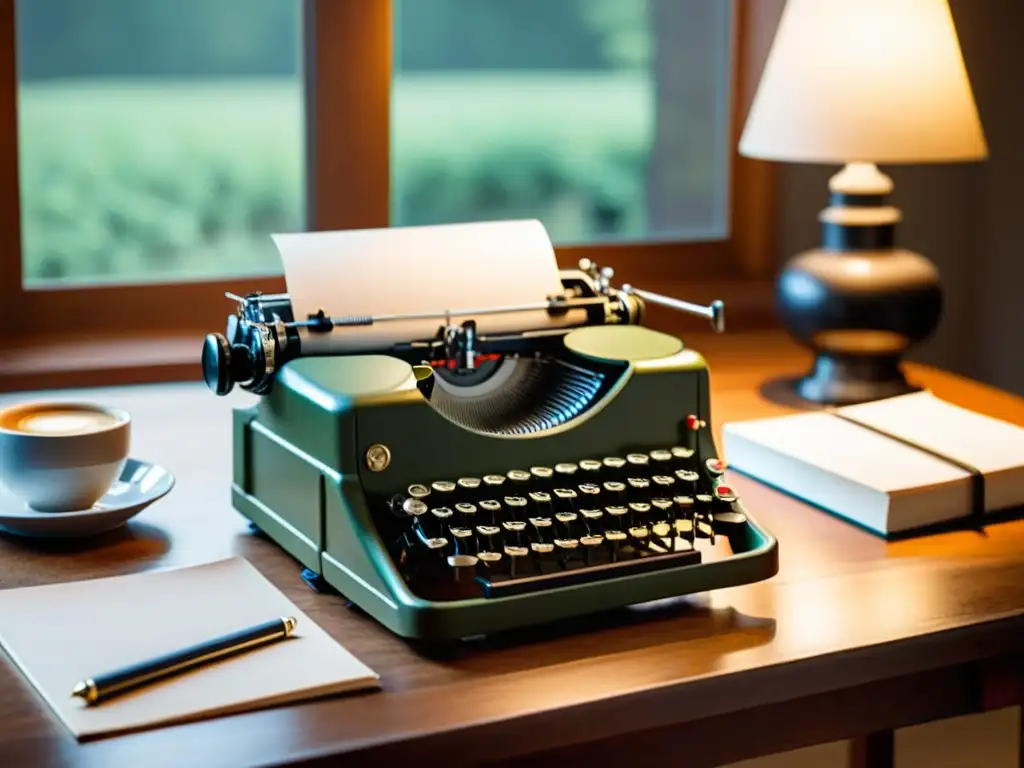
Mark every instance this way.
x=515 y=505
x=490 y=508
x=688 y=479
x=725 y=494
x=542 y=476
x=566 y=519
x=540 y=499
x=616 y=491
x=589 y=490
x=418 y=491
x=715 y=467
x=460 y=563
x=567 y=544
x=662 y=459
x=441 y=513
x=443 y=486
x=488 y=557
x=514 y=526
x=730 y=517
x=515 y=553
x=592 y=514
x=616 y=515
x=488 y=530
x=565 y=470
x=414 y=507
x=468 y=486
x=466 y=511
x=681 y=456
x=704 y=500
x=565 y=499
x=590 y=468
x=639 y=488
x=640 y=460
x=494 y=481
x=460 y=534
x=663 y=484
x=613 y=466
x=518 y=478
x=639 y=532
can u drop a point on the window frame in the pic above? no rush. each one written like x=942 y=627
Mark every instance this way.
x=336 y=77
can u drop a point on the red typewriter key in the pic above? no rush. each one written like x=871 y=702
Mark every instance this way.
x=715 y=466
x=725 y=493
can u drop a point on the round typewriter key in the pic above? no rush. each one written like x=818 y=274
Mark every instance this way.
x=590 y=489
x=490 y=505
x=461 y=533
x=662 y=457
x=725 y=494
x=494 y=481
x=704 y=498
x=730 y=518
x=542 y=475
x=467 y=485
x=613 y=466
x=518 y=476
x=688 y=478
x=466 y=510
x=565 y=517
x=640 y=507
x=637 y=459
x=489 y=557
x=693 y=423
x=418 y=491
x=567 y=543
x=566 y=469
x=540 y=497
x=542 y=547
x=488 y=530
x=414 y=507
x=515 y=505
x=515 y=526
x=590 y=466
x=616 y=510
x=616 y=491
x=663 y=484
x=681 y=455
x=459 y=562
x=639 y=532
x=441 y=513
x=662 y=505
x=565 y=500
x=661 y=530
x=592 y=514
x=540 y=522
x=591 y=540
x=514 y=551
x=715 y=467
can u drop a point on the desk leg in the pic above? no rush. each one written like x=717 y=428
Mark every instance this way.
x=875 y=750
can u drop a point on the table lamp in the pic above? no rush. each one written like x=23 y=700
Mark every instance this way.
x=860 y=82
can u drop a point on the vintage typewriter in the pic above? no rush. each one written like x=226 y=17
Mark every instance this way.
x=465 y=483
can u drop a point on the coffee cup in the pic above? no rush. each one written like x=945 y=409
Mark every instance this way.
x=62 y=457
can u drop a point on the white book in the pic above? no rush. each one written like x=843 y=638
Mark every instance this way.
x=868 y=473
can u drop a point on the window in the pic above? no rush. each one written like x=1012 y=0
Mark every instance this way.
x=157 y=141
x=606 y=119
x=149 y=148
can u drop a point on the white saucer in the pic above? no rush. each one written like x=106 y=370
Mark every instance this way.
x=140 y=484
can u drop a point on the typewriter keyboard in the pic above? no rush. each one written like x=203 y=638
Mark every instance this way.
x=538 y=527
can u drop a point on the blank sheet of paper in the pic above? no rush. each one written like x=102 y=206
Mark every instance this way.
x=60 y=634
x=414 y=270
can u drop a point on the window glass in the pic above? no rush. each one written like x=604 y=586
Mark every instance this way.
x=606 y=119
x=158 y=139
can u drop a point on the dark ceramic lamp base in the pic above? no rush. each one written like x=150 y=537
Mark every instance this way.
x=858 y=302
x=844 y=381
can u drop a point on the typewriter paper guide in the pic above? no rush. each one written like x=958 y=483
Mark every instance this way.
x=58 y=634
x=406 y=270
x=878 y=481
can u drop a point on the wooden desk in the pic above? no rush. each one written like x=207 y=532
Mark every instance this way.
x=854 y=636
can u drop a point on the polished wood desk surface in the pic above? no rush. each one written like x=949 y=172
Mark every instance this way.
x=847 y=610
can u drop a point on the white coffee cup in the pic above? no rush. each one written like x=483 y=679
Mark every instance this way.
x=62 y=457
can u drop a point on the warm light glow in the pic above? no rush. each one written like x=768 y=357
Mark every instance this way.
x=879 y=81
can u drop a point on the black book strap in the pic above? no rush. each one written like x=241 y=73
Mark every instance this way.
x=977 y=511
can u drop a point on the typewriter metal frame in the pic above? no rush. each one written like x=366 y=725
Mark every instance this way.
x=333 y=436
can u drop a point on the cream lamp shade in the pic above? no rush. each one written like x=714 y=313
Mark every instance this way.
x=869 y=81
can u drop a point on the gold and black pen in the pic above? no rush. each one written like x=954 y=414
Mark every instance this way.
x=99 y=688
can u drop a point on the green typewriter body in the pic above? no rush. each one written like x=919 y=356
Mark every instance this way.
x=449 y=496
